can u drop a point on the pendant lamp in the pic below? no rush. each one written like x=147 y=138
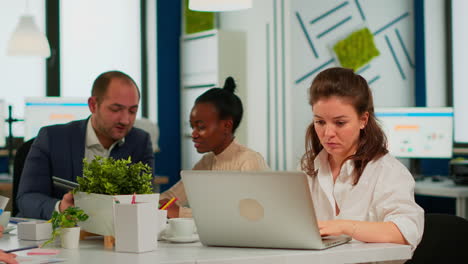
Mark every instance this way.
x=27 y=40
x=219 y=5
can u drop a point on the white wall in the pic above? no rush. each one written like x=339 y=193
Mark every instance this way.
x=102 y=42
x=257 y=22
x=436 y=55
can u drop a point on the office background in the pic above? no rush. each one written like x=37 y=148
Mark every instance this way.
x=287 y=42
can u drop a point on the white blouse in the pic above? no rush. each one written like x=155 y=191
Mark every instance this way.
x=385 y=192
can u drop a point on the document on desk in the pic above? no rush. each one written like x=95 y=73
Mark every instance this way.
x=3 y=202
x=39 y=260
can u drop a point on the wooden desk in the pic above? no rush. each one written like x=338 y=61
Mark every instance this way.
x=445 y=188
x=92 y=251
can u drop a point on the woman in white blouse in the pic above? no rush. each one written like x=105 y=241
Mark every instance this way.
x=214 y=119
x=358 y=188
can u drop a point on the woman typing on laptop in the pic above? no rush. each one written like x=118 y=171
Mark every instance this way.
x=214 y=119
x=357 y=187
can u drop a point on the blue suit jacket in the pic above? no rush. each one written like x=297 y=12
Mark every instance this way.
x=58 y=150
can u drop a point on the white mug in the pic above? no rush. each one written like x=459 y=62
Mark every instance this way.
x=180 y=228
x=162 y=222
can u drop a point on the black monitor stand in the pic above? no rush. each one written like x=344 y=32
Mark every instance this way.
x=415 y=168
x=10 y=144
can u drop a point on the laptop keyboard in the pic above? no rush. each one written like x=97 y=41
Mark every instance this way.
x=331 y=242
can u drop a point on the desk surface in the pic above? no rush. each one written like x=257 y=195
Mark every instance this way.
x=92 y=251
x=445 y=188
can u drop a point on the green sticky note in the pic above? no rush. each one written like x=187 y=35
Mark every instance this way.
x=356 y=50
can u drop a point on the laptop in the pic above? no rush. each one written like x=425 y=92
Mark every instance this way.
x=265 y=209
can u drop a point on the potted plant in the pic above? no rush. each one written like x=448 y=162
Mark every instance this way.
x=107 y=180
x=65 y=224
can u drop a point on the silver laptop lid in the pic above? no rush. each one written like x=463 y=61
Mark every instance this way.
x=253 y=209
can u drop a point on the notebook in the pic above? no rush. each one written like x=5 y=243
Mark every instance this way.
x=254 y=209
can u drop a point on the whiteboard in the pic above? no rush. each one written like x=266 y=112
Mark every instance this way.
x=44 y=111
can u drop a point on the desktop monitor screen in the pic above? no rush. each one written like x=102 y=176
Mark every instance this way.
x=44 y=111
x=418 y=132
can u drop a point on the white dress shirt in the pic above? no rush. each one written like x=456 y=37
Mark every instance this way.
x=93 y=147
x=385 y=192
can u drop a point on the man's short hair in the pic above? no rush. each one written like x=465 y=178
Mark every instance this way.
x=103 y=80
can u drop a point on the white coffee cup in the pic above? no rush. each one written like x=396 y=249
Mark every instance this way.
x=180 y=228
x=162 y=222
x=5 y=218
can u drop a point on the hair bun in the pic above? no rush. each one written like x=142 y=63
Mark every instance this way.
x=229 y=84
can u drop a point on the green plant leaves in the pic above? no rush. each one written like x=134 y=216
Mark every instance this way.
x=114 y=177
x=66 y=219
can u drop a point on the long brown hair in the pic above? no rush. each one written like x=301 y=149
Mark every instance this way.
x=344 y=83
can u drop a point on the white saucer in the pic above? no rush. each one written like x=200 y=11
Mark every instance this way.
x=8 y=229
x=190 y=239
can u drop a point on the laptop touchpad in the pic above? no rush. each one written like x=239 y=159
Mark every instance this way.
x=251 y=209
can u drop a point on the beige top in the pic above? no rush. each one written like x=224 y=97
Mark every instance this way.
x=234 y=157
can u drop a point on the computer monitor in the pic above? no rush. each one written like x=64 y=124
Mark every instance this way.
x=418 y=132
x=44 y=111
x=3 y=127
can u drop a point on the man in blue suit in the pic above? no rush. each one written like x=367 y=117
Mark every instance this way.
x=59 y=150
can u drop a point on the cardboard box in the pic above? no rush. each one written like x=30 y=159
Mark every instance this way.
x=34 y=230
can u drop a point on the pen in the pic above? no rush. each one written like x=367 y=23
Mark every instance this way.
x=20 y=249
x=16 y=220
x=169 y=203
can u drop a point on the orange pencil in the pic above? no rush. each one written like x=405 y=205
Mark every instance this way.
x=169 y=203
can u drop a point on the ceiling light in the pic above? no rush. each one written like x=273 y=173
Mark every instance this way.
x=27 y=40
x=219 y=5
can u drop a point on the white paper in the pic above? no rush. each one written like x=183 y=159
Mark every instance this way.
x=3 y=202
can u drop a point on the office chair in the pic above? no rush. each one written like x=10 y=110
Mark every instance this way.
x=445 y=240
x=152 y=129
x=20 y=158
